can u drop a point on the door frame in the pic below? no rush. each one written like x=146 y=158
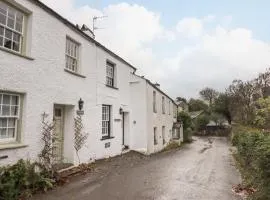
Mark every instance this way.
x=123 y=129
x=61 y=142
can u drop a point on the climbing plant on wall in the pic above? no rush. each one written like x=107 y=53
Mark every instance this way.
x=46 y=155
x=80 y=136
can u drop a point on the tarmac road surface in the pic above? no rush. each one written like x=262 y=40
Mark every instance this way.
x=202 y=170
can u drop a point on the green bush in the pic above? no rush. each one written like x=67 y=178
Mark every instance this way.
x=186 y=119
x=254 y=156
x=22 y=180
x=201 y=122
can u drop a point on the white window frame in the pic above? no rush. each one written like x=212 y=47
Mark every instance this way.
x=72 y=55
x=154 y=101
x=8 y=117
x=13 y=29
x=110 y=74
x=106 y=121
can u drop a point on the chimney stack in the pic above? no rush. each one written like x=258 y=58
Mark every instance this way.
x=157 y=85
x=88 y=31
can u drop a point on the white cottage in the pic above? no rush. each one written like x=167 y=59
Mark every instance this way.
x=47 y=65
x=154 y=114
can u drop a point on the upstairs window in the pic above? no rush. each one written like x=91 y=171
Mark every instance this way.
x=9 y=116
x=163 y=105
x=154 y=102
x=11 y=27
x=72 y=55
x=169 y=107
x=174 y=111
x=110 y=74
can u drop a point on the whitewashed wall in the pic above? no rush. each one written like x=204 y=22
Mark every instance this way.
x=158 y=120
x=139 y=121
x=146 y=119
x=43 y=82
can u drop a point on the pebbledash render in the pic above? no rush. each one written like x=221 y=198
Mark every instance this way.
x=47 y=65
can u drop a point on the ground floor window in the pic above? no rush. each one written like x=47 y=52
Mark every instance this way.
x=9 y=116
x=106 y=120
x=163 y=134
x=155 y=136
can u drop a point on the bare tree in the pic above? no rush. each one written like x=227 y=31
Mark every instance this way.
x=263 y=83
x=241 y=94
x=223 y=105
x=209 y=94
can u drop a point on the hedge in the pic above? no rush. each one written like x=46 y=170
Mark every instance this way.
x=254 y=156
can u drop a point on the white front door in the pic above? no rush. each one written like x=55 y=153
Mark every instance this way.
x=58 y=137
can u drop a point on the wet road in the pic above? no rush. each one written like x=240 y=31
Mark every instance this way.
x=203 y=170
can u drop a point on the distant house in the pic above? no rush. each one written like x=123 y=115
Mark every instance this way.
x=155 y=116
x=217 y=128
x=195 y=114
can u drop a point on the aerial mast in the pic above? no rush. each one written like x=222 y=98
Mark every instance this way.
x=95 y=18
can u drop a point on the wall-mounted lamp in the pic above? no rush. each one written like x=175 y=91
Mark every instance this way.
x=80 y=104
x=121 y=111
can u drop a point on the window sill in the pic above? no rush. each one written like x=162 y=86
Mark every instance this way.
x=16 y=54
x=112 y=87
x=106 y=138
x=73 y=73
x=12 y=146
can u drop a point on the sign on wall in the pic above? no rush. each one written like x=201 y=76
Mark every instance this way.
x=107 y=145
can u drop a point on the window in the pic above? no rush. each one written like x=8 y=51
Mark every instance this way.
x=11 y=27
x=174 y=110
x=163 y=135
x=154 y=102
x=169 y=107
x=155 y=136
x=176 y=133
x=110 y=74
x=106 y=121
x=9 y=116
x=163 y=105
x=72 y=55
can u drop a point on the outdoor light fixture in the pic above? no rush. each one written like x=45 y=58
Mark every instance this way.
x=81 y=102
x=121 y=111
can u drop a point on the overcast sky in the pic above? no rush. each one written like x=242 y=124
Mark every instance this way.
x=184 y=45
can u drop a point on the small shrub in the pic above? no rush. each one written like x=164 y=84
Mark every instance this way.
x=22 y=180
x=172 y=145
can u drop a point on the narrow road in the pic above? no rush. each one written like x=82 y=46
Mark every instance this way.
x=203 y=170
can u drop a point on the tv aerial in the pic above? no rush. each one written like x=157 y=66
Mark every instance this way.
x=95 y=18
